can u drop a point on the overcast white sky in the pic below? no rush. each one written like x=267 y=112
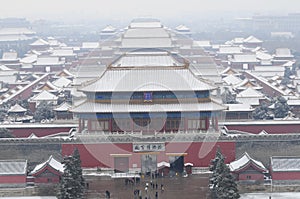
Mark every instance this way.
x=95 y=9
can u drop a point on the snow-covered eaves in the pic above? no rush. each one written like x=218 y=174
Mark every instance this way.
x=52 y=162
x=90 y=107
x=147 y=80
x=244 y=161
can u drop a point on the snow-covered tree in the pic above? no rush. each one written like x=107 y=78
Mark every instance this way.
x=281 y=109
x=223 y=185
x=261 y=112
x=44 y=111
x=228 y=97
x=80 y=186
x=72 y=184
x=5 y=133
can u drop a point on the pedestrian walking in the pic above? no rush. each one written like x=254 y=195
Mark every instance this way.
x=156 y=195
x=107 y=194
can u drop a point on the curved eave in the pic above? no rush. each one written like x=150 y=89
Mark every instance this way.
x=247 y=165
x=91 y=107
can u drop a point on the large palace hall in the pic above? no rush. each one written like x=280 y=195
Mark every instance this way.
x=153 y=104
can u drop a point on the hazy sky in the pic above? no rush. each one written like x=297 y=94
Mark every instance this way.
x=112 y=9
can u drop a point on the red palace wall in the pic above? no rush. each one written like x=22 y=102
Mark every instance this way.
x=272 y=128
x=13 y=179
x=40 y=131
x=254 y=176
x=102 y=155
x=286 y=175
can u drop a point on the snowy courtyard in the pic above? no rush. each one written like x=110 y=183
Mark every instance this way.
x=287 y=195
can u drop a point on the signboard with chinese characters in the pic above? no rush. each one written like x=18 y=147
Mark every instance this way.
x=148 y=97
x=142 y=147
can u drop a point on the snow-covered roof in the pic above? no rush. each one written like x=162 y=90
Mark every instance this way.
x=145 y=23
x=269 y=68
x=158 y=42
x=4 y=68
x=147 y=80
x=163 y=164
x=289 y=163
x=32 y=136
x=13 y=167
x=29 y=59
x=293 y=102
x=64 y=72
x=250 y=92
x=202 y=43
x=109 y=28
x=63 y=53
x=44 y=96
x=48 y=61
x=146 y=59
x=283 y=53
x=146 y=33
x=239 y=107
x=232 y=80
x=40 y=42
x=10 y=56
x=62 y=82
x=63 y=107
x=90 y=45
x=229 y=71
x=52 y=162
x=182 y=28
x=244 y=161
x=225 y=49
x=53 y=42
x=188 y=164
x=90 y=107
x=289 y=64
x=247 y=83
x=49 y=87
x=16 y=109
x=238 y=40
x=244 y=58
x=263 y=56
x=263 y=132
x=250 y=101
x=252 y=39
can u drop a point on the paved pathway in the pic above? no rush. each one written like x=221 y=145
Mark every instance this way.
x=192 y=187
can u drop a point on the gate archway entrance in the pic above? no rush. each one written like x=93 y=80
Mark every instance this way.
x=149 y=163
x=176 y=163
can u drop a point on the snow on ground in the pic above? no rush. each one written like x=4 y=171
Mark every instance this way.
x=286 y=195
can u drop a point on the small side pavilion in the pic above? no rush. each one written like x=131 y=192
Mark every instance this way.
x=247 y=169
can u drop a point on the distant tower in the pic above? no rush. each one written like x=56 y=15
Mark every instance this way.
x=108 y=32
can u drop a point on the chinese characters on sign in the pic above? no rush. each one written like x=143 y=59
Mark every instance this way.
x=140 y=147
x=148 y=97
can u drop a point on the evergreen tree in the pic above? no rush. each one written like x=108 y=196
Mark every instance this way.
x=72 y=182
x=80 y=186
x=261 y=112
x=228 y=97
x=222 y=181
x=43 y=111
x=286 y=77
x=281 y=108
x=5 y=133
x=227 y=188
